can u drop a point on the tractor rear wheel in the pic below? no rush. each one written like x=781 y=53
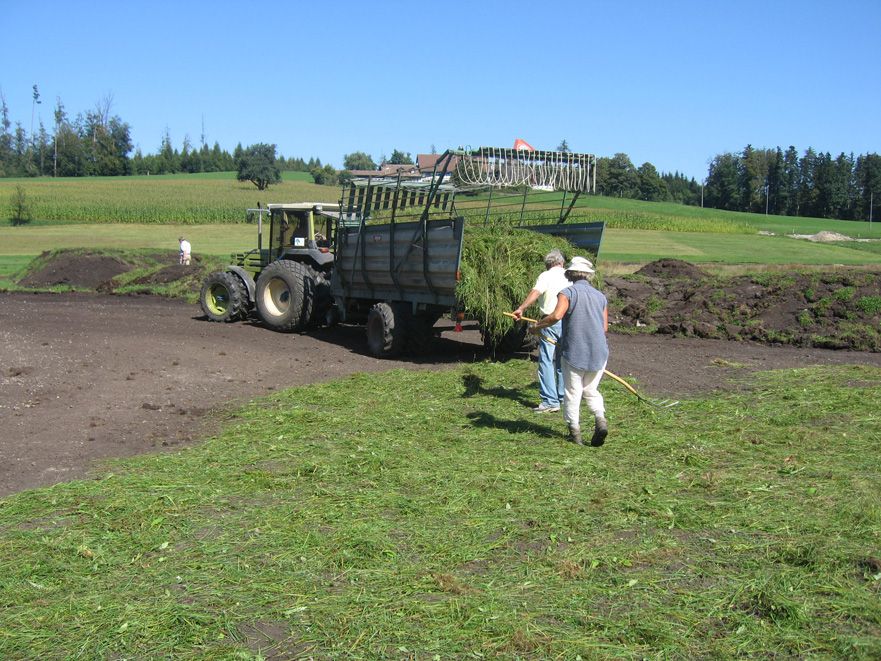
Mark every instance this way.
x=223 y=297
x=386 y=330
x=285 y=294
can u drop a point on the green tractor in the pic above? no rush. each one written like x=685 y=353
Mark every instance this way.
x=287 y=281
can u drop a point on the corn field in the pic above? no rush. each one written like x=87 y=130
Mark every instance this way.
x=183 y=199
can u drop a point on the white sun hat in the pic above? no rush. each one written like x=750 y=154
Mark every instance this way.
x=581 y=265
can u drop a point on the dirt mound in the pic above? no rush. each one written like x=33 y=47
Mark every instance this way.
x=165 y=275
x=670 y=268
x=839 y=310
x=76 y=270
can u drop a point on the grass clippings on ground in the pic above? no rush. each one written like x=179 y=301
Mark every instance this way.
x=348 y=521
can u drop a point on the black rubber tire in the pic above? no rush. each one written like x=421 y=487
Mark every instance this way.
x=224 y=297
x=386 y=330
x=285 y=295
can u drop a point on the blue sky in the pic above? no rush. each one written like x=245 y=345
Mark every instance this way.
x=671 y=82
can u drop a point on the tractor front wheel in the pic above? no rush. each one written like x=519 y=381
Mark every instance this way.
x=223 y=297
x=285 y=294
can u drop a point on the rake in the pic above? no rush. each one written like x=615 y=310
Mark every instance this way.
x=657 y=403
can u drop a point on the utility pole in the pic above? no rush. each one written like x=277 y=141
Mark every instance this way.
x=702 y=194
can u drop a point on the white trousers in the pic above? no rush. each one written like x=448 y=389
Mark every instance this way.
x=578 y=384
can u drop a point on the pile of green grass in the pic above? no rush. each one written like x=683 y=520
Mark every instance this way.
x=739 y=525
x=499 y=267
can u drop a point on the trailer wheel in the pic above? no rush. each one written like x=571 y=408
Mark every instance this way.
x=285 y=294
x=385 y=330
x=223 y=297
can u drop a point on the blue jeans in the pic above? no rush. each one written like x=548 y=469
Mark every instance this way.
x=550 y=374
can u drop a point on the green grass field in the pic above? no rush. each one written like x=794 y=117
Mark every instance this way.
x=218 y=197
x=135 y=213
x=770 y=223
x=18 y=244
x=699 y=247
x=738 y=525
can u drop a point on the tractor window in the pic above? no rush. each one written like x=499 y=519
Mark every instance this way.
x=299 y=222
x=280 y=230
x=322 y=231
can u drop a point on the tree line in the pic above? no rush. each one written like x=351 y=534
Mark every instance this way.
x=759 y=181
x=98 y=143
x=616 y=176
x=784 y=183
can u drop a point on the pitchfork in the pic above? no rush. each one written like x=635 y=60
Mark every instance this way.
x=657 y=403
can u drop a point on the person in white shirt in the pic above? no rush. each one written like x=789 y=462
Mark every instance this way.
x=550 y=375
x=185 y=250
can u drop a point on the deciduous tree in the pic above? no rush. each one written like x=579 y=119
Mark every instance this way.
x=400 y=158
x=358 y=160
x=651 y=187
x=20 y=207
x=257 y=165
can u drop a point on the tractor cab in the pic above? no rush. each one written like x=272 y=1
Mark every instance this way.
x=302 y=231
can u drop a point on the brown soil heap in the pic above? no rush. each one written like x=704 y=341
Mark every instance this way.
x=84 y=270
x=835 y=310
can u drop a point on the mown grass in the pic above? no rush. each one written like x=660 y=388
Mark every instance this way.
x=181 y=199
x=340 y=521
x=758 y=221
x=642 y=246
x=218 y=239
x=11 y=267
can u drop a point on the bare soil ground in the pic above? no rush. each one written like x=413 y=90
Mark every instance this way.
x=86 y=377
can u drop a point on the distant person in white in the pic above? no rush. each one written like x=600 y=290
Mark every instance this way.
x=550 y=374
x=185 y=250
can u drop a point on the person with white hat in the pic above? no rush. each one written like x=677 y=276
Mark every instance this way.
x=583 y=348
